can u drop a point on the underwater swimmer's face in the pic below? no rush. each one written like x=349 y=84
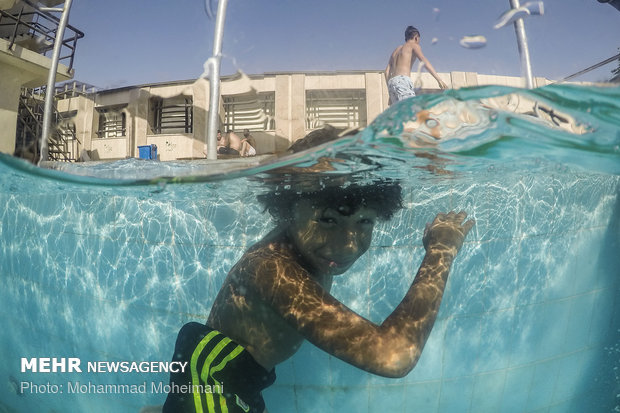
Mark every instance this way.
x=331 y=239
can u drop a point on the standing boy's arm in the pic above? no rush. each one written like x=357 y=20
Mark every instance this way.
x=429 y=67
x=391 y=349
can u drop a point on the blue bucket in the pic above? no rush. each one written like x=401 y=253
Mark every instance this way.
x=147 y=151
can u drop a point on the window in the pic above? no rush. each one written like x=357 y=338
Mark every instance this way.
x=112 y=122
x=339 y=108
x=172 y=115
x=255 y=111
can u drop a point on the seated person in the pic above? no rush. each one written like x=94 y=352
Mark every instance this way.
x=278 y=295
x=229 y=144
x=248 y=144
x=221 y=142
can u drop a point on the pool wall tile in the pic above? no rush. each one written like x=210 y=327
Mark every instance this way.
x=529 y=321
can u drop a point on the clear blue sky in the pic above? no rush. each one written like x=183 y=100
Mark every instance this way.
x=130 y=42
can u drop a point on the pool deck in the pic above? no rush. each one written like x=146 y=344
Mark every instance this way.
x=135 y=168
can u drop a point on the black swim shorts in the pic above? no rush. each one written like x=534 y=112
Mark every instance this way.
x=220 y=375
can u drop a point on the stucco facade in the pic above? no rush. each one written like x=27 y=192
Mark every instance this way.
x=20 y=67
x=278 y=108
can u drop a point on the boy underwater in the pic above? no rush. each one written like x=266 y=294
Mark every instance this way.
x=277 y=295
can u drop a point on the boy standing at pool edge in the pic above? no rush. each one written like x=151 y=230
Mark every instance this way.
x=398 y=69
x=277 y=295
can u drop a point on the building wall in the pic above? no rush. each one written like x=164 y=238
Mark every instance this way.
x=289 y=107
x=20 y=67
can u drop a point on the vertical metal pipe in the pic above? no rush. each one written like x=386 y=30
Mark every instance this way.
x=214 y=80
x=524 y=53
x=51 y=81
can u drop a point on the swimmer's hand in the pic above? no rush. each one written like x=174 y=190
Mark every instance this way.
x=442 y=84
x=447 y=232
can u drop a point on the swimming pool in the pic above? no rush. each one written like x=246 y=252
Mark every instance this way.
x=106 y=270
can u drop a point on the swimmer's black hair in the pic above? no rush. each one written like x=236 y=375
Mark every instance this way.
x=383 y=196
x=410 y=32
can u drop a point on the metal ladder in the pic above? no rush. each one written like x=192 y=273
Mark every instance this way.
x=62 y=139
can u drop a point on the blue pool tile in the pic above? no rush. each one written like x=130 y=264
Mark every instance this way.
x=543 y=384
x=565 y=406
x=199 y=272
x=351 y=288
x=93 y=214
x=461 y=346
x=345 y=399
x=312 y=399
x=423 y=397
x=539 y=212
x=493 y=224
x=580 y=317
x=456 y=395
x=600 y=324
x=281 y=399
x=570 y=375
x=495 y=343
x=516 y=389
x=229 y=225
x=389 y=279
x=285 y=373
x=488 y=392
x=465 y=291
x=539 y=330
x=341 y=374
x=387 y=398
x=311 y=366
x=192 y=224
x=501 y=274
x=588 y=262
x=128 y=221
x=400 y=230
x=156 y=222
x=545 y=272
x=536 y=267
x=432 y=197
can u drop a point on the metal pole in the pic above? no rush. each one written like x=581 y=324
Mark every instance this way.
x=586 y=70
x=524 y=53
x=51 y=81
x=214 y=80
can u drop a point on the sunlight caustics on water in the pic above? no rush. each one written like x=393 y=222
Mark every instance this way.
x=103 y=268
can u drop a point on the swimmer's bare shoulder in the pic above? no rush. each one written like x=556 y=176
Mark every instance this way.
x=243 y=309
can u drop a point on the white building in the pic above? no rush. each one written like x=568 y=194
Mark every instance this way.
x=278 y=108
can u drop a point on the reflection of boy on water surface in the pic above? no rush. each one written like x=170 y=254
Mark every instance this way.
x=277 y=295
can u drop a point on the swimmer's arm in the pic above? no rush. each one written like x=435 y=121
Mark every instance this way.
x=416 y=314
x=391 y=349
x=429 y=67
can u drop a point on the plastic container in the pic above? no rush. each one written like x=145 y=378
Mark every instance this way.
x=147 y=151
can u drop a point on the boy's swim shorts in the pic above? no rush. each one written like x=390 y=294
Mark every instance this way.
x=220 y=375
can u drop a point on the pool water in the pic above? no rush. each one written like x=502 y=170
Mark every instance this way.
x=107 y=269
